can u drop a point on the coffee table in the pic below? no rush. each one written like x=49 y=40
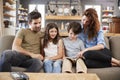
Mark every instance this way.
x=53 y=76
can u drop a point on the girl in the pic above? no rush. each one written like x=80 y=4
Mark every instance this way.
x=52 y=49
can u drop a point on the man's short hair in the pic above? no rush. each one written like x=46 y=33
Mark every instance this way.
x=33 y=15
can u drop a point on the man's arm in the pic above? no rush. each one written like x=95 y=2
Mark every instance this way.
x=17 y=46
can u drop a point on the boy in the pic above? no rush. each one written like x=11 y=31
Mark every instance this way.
x=73 y=46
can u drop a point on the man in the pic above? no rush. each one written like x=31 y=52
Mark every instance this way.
x=26 y=47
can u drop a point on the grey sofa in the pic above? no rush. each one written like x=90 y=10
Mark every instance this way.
x=110 y=73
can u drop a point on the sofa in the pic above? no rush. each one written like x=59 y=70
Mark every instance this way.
x=109 y=73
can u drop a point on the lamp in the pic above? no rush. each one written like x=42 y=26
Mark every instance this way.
x=119 y=4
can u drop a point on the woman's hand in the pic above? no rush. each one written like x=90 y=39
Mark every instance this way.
x=80 y=54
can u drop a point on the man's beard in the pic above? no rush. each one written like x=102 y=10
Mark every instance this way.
x=36 y=30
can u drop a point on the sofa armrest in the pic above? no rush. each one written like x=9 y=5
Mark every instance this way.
x=107 y=42
x=6 y=42
x=115 y=46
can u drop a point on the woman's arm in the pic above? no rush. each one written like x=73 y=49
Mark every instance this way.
x=97 y=47
x=100 y=42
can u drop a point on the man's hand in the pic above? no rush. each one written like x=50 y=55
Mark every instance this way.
x=38 y=56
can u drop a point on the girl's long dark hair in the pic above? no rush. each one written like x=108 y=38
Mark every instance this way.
x=47 y=36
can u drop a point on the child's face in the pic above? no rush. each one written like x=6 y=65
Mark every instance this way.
x=71 y=35
x=52 y=33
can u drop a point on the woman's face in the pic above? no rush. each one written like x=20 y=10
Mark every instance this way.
x=52 y=33
x=85 y=21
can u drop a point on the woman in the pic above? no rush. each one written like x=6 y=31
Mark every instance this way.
x=52 y=49
x=96 y=54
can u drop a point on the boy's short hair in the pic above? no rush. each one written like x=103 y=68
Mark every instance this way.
x=33 y=15
x=75 y=26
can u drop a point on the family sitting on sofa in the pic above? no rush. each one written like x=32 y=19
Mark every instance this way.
x=84 y=47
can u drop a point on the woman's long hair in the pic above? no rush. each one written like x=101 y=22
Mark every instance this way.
x=47 y=35
x=94 y=25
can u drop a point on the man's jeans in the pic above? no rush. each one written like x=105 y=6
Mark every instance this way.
x=12 y=58
x=52 y=66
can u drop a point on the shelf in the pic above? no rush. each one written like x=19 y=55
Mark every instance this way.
x=22 y=14
x=107 y=16
x=63 y=33
x=107 y=11
x=8 y=15
x=111 y=34
x=105 y=22
x=11 y=1
x=64 y=3
x=22 y=20
x=8 y=8
x=63 y=17
x=105 y=34
x=22 y=9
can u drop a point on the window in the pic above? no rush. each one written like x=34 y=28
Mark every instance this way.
x=41 y=9
x=97 y=8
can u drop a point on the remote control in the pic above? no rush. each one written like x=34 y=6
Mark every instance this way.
x=19 y=76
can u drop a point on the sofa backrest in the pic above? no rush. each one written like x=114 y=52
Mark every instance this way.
x=107 y=42
x=115 y=46
x=112 y=43
x=6 y=42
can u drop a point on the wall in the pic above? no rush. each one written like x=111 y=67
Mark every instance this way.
x=1 y=18
x=103 y=3
x=97 y=2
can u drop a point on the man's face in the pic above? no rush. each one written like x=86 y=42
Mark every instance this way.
x=35 y=25
x=85 y=21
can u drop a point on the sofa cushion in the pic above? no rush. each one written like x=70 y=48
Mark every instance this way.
x=5 y=44
x=18 y=69
x=110 y=73
x=115 y=46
